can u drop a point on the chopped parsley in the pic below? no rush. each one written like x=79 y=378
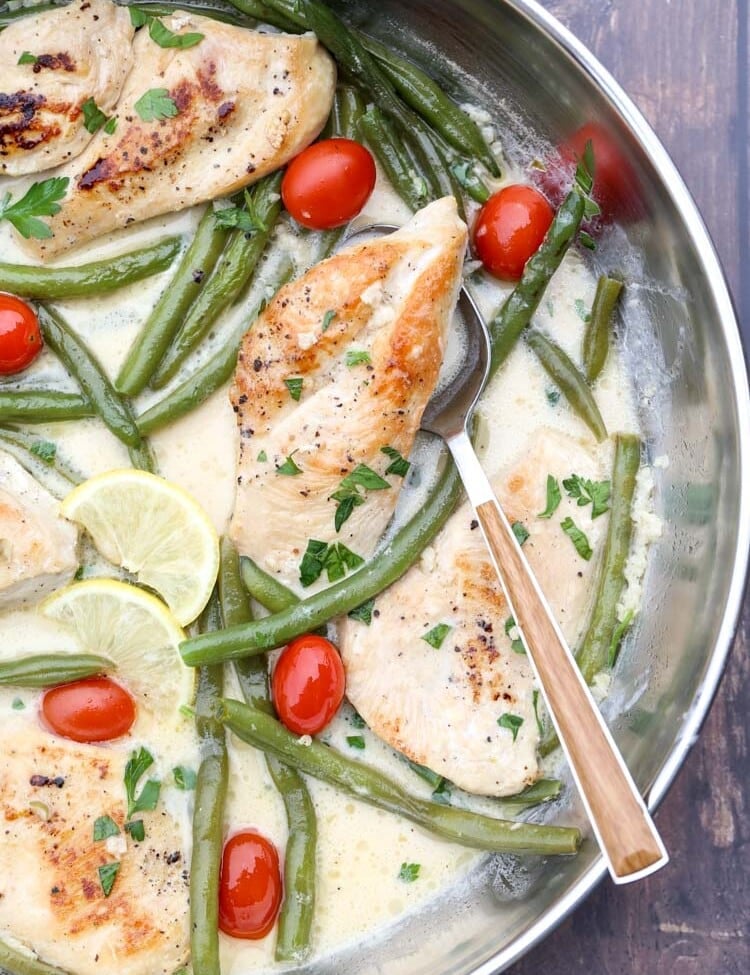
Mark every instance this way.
x=437 y=635
x=245 y=218
x=289 y=468
x=584 y=491
x=554 y=497
x=262 y=457
x=409 y=872
x=355 y=741
x=45 y=450
x=512 y=722
x=156 y=104
x=471 y=181
x=516 y=644
x=111 y=125
x=164 y=37
x=184 y=778
x=535 y=699
x=27 y=58
x=327 y=319
x=138 y=764
x=104 y=827
x=40 y=200
x=356 y=720
x=399 y=465
x=520 y=531
x=584 y=179
x=586 y=240
x=348 y=496
x=442 y=793
x=18 y=704
x=335 y=559
x=93 y=117
x=363 y=613
x=581 y=310
x=357 y=357
x=107 y=874
x=294 y=386
x=136 y=830
x=577 y=537
x=553 y=395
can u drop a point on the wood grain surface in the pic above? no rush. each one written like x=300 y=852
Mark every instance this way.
x=685 y=63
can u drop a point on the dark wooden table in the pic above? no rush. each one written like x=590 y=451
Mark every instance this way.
x=685 y=63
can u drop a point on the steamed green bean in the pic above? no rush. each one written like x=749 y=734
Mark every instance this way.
x=51 y=669
x=598 y=331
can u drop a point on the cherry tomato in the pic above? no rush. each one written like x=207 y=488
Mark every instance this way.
x=510 y=227
x=615 y=185
x=308 y=684
x=95 y=709
x=20 y=338
x=328 y=183
x=249 y=886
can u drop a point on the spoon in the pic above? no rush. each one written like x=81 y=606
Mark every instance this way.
x=627 y=836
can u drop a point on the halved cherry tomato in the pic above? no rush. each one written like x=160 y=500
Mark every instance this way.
x=20 y=338
x=328 y=183
x=510 y=227
x=95 y=709
x=308 y=684
x=249 y=886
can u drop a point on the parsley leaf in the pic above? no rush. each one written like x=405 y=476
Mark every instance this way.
x=164 y=37
x=18 y=704
x=138 y=764
x=93 y=117
x=245 y=218
x=399 y=465
x=553 y=396
x=577 y=537
x=40 y=200
x=535 y=699
x=136 y=830
x=27 y=58
x=355 y=741
x=584 y=491
x=442 y=793
x=184 y=778
x=366 y=477
x=156 y=104
x=583 y=314
x=409 y=872
x=520 y=531
x=363 y=613
x=348 y=495
x=584 y=180
x=553 y=497
x=335 y=560
x=294 y=386
x=45 y=450
x=356 y=720
x=107 y=874
x=468 y=177
x=289 y=467
x=516 y=643
x=357 y=357
x=111 y=125
x=327 y=319
x=262 y=457
x=347 y=502
x=586 y=240
x=104 y=827
x=138 y=17
x=512 y=722
x=437 y=635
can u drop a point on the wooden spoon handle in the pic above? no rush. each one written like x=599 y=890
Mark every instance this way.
x=621 y=822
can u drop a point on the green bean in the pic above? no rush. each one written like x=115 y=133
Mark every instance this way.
x=43 y=406
x=199 y=385
x=569 y=379
x=295 y=918
x=593 y=654
x=21 y=963
x=338 y=599
x=161 y=9
x=287 y=20
x=89 y=280
x=80 y=362
x=270 y=593
x=8 y=16
x=142 y=457
x=378 y=131
x=426 y=97
x=152 y=341
x=543 y=790
x=516 y=313
x=26 y=449
x=51 y=669
x=596 y=337
x=208 y=815
x=231 y=275
x=369 y=785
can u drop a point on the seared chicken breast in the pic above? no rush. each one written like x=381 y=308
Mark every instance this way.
x=340 y=365
x=51 y=896
x=195 y=123
x=37 y=545
x=69 y=55
x=440 y=704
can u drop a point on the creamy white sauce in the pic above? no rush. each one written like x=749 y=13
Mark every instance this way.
x=360 y=849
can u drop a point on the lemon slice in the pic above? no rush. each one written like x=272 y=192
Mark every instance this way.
x=153 y=529
x=136 y=631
